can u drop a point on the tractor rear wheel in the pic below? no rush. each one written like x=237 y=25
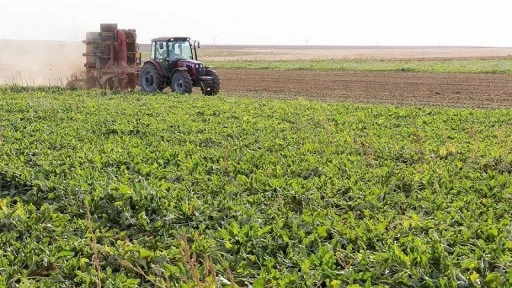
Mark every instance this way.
x=216 y=83
x=150 y=80
x=181 y=82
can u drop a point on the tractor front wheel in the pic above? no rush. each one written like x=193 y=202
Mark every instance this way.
x=181 y=82
x=216 y=83
x=150 y=80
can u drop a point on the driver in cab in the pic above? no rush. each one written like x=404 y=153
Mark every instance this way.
x=174 y=53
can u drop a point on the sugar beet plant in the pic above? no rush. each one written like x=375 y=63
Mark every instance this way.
x=172 y=191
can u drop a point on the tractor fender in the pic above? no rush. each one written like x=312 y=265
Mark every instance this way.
x=157 y=65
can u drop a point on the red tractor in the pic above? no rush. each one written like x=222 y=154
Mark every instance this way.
x=173 y=62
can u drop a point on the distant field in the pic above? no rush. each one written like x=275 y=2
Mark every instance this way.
x=248 y=53
x=53 y=62
x=372 y=59
x=493 y=66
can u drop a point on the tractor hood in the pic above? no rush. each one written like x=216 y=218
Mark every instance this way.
x=195 y=68
x=186 y=63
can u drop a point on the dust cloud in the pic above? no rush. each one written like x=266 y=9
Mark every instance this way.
x=48 y=63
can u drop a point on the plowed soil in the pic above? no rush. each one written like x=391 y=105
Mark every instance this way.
x=458 y=90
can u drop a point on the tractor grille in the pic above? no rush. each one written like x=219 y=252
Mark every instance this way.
x=200 y=70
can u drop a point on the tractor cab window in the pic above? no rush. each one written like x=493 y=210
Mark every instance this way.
x=160 y=50
x=180 y=50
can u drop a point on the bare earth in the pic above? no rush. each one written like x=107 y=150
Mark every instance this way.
x=456 y=90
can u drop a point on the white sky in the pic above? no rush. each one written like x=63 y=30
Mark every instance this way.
x=345 y=22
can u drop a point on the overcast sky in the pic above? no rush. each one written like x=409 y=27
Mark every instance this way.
x=317 y=22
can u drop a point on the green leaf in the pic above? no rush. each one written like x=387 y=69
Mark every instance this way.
x=65 y=254
x=494 y=279
x=144 y=253
x=475 y=278
x=401 y=255
x=322 y=231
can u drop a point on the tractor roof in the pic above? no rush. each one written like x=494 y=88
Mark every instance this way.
x=167 y=39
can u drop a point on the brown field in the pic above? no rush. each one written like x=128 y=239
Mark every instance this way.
x=456 y=90
x=51 y=63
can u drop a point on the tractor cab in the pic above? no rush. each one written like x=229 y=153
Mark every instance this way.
x=174 y=63
x=169 y=51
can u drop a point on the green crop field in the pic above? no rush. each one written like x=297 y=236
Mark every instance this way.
x=130 y=190
x=502 y=66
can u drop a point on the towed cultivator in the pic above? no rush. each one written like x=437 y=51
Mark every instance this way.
x=112 y=60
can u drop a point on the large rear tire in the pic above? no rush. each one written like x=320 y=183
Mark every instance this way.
x=216 y=83
x=150 y=80
x=181 y=82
